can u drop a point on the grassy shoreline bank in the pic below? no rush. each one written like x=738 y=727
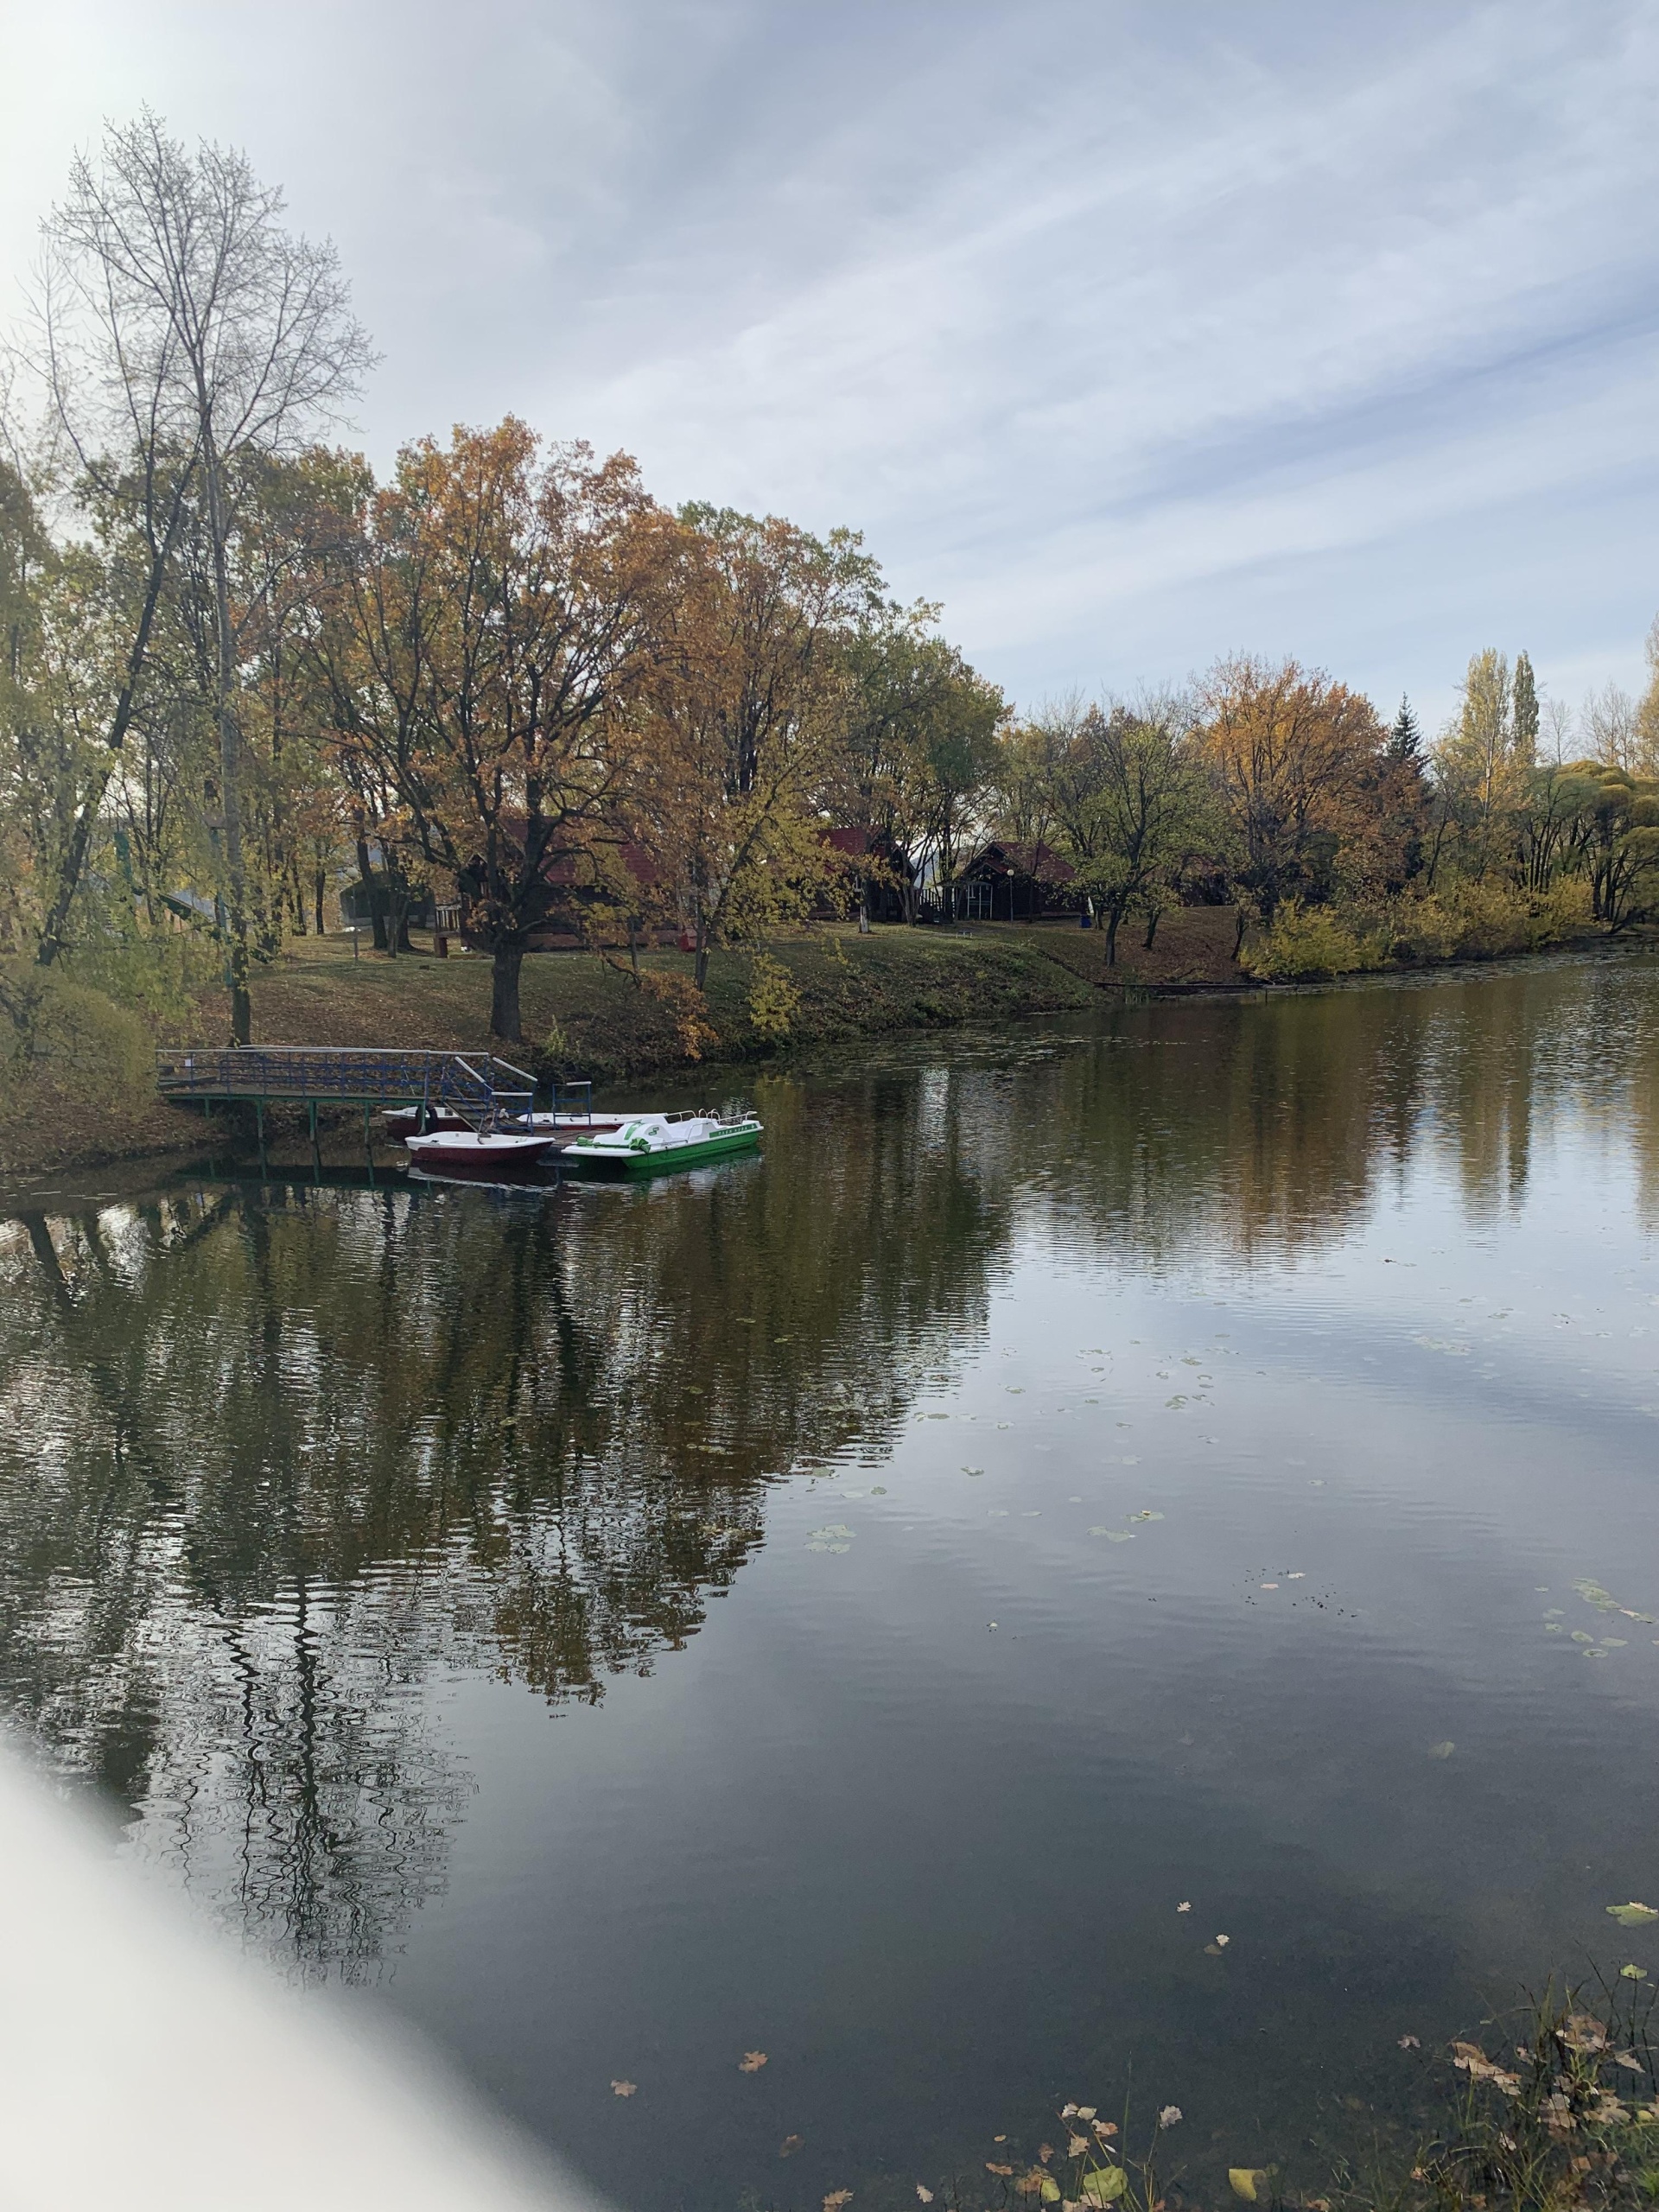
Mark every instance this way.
x=85 y=1106
x=88 y=1100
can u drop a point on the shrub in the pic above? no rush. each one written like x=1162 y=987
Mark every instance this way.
x=57 y=1032
x=1480 y=920
x=1311 y=941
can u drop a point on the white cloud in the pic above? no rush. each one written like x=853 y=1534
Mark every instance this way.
x=1135 y=334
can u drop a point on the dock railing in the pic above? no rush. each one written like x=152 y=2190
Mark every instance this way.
x=477 y=1086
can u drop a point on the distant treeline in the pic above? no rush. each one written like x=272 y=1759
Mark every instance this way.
x=240 y=673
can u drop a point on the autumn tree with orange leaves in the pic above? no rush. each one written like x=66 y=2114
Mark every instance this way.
x=1293 y=755
x=739 y=721
x=490 y=619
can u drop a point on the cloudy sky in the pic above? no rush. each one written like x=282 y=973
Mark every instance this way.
x=1135 y=334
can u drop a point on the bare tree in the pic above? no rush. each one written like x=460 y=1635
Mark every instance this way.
x=1612 y=728
x=187 y=331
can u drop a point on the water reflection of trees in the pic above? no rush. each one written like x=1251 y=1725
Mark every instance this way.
x=1252 y=1129
x=270 y=1469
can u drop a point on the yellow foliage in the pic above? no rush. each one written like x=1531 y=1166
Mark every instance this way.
x=60 y=1031
x=774 y=999
x=1310 y=941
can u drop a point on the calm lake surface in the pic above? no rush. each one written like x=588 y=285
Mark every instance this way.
x=844 y=1605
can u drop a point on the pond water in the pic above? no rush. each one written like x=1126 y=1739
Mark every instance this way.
x=898 y=1603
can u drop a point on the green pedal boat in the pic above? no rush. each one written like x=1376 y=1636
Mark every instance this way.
x=651 y=1143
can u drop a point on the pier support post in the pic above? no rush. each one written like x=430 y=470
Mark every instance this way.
x=368 y=1138
x=316 y=1150
x=259 y=1120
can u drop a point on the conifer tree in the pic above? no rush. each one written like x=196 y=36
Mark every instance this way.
x=1406 y=738
x=1524 y=712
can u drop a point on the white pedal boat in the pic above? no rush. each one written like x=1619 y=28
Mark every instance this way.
x=480 y=1147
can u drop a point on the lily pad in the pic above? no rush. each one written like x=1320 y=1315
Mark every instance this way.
x=1441 y=1751
x=1594 y=1594
x=1633 y=1915
x=1242 y=2180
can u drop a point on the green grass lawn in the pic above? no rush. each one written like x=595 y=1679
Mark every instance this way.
x=583 y=1017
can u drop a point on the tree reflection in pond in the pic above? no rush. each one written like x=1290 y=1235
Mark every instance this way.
x=276 y=1468
x=273 y=1465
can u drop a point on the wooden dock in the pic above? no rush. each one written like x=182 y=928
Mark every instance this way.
x=479 y=1087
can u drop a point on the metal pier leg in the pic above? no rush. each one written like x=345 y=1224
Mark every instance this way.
x=368 y=1138
x=317 y=1153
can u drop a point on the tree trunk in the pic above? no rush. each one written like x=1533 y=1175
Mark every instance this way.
x=73 y=860
x=1111 y=937
x=504 y=994
x=229 y=763
x=365 y=875
x=1238 y=935
x=1153 y=919
x=701 y=972
x=322 y=885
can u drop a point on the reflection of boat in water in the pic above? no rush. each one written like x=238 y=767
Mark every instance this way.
x=472 y=1150
x=517 y=1180
x=648 y=1143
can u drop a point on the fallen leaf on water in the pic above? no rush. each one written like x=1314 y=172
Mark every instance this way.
x=1223 y=1941
x=1085 y=2112
x=1049 y=2190
x=924 y=2196
x=972 y=1471
x=790 y=2144
x=1212 y=1950
x=1184 y=1908
x=1471 y=2060
x=1104 y=2186
x=1044 y=2151
x=752 y=2062
x=992 y=2168
x=1630 y=2061
x=1144 y=1515
x=1441 y=1751
x=1242 y=2181
x=1169 y=2115
x=1105 y=2127
x=837 y=2198
x=1075 y=2146
x=624 y=2088
x=1410 y=2042
x=1634 y=1974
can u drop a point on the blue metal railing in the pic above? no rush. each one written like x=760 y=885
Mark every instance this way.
x=473 y=1084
